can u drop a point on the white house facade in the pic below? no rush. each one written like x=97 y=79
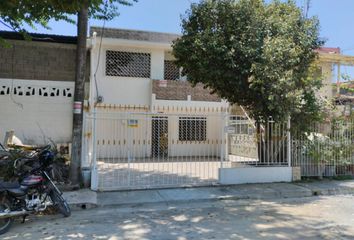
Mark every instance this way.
x=143 y=110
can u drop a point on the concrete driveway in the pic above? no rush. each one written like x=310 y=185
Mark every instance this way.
x=327 y=217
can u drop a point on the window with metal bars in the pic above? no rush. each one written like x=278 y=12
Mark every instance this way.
x=128 y=64
x=171 y=71
x=242 y=125
x=192 y=128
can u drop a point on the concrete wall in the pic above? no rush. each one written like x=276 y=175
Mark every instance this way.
x=125 y=90
x=134 y=35
x=36 y=90
x=211 y=147
x=36 y=110
x=137 y=91
x=117 y=140
x=255 y=175
x=188 y=106
x=327 y=75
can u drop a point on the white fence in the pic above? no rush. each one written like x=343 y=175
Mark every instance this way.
x=257 y=152
x=257 y=144
x=140 y=150
x=145 y=150
x=326 y=150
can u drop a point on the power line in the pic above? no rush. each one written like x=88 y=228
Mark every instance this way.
x=98 y=97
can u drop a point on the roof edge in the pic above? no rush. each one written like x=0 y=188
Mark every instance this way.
x=39 y=37
x=138 y=35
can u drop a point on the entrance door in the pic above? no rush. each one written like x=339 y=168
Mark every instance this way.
x=159 y=137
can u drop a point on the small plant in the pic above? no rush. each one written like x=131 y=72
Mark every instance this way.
x=59 y=171
x=328 y=151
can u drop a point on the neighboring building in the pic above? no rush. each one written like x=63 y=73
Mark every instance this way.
x=335 y=85
x=326 y=71
x=37 y=87
x=332 y=61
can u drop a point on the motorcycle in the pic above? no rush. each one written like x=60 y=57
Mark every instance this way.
x=34 y=191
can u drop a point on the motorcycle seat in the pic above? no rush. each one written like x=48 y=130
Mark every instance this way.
x=13 y=188
x=8 y=185
x=16 y=192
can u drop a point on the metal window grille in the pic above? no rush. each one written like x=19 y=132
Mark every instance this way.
x=242 y=125
x=128 y=64
x=171 y=71
x=192 y=128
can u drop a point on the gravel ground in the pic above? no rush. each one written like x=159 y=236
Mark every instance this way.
x=306 y=218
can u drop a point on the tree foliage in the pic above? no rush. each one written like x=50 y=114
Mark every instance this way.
x=254 y=54
x=16 y=14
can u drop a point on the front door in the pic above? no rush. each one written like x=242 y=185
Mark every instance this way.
x=159 y=137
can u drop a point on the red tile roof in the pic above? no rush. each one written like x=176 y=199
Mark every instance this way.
x=328 y=50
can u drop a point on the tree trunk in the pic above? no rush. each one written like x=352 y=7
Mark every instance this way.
x=79 y=94
x=272 y=144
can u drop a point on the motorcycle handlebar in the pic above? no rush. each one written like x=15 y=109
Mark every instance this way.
x=37 y=152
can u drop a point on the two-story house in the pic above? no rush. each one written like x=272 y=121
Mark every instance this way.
x=144 y=110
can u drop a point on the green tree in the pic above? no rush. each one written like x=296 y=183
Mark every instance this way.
x=254 y=54
x=16 y=14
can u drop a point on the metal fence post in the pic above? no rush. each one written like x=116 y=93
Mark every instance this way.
x=222 y=145
x=289 y=141
x=94 y=171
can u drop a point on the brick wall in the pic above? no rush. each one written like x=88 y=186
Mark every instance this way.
x=179 y=90
x=35 y=60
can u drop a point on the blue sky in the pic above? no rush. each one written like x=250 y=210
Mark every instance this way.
x=337 y=23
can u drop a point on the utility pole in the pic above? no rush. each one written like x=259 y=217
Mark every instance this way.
x=79 y=93
x=307 y=4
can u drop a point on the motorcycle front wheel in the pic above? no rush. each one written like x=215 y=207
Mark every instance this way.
x=60 y=203
x=5 y=223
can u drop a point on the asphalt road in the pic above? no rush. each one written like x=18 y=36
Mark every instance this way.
x=307 y=218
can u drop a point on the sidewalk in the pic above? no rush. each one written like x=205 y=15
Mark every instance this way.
x=83 y=199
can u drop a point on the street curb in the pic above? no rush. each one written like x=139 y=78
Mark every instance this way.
x=274 y=194
x=222 y=198
x=87 y=199
x=81 y=199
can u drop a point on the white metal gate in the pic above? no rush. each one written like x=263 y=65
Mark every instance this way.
x=143 y=150
x=252 y=144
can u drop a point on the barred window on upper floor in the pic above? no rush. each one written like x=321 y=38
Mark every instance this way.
x=128 y=64
x=171 y=71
